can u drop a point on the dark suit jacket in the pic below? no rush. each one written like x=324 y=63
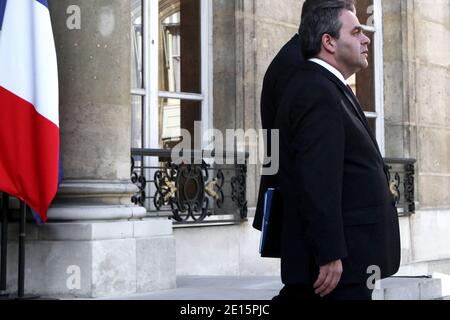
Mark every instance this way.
x=275 y=82
x=337 y=203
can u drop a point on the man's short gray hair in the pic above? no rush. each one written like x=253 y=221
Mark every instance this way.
x=321 y=17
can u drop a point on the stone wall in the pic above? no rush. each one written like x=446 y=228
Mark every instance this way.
x=417 y=99
x=224 y=55
x=394 y=85
x=417 y=109
x=432 y=34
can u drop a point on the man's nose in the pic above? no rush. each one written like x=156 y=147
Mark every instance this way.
x=366 y=40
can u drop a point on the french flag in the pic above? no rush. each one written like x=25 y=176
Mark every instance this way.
x=29 y=120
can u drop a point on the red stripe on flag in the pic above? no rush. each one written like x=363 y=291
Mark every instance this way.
x=29 y=153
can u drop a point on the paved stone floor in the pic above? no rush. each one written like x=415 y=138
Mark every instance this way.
x=265 y=288
x=215 y=288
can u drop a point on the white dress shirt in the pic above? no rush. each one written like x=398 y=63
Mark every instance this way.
x=330 y=68
x=339 y=75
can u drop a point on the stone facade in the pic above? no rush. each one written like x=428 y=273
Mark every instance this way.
x=118 y=249
x=417 y=106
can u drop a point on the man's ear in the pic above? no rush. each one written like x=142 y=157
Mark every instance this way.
x=329 y=43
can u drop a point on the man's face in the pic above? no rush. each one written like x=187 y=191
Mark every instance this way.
x=352 y=47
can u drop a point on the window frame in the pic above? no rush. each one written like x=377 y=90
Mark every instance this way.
x=379 y=75
x=150 y=92
x=378 y=115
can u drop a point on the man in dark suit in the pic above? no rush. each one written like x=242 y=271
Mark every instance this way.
x=276 y=79
x=275 y=82
x=339 y=220
x=277 y=76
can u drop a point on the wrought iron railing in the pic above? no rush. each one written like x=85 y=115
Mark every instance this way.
x=401 y=173
x=194 y=191
x=203 y=193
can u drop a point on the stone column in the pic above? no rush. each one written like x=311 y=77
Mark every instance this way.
x=96 y=242
x=94 y=72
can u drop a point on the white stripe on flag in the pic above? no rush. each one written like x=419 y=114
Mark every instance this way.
x=28 y=58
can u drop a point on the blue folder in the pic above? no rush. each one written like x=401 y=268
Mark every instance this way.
x=268 y=196
x=270 y=242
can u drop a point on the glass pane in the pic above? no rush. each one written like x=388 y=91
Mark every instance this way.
x=175 y=114
x=180 y=46
x=372 y=124
x=365 y=81
x=364 y=11
x=136 y=44
x=136 y=121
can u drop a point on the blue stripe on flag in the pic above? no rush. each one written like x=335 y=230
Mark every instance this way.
x=2 y=12
x=44 y=2
x=36 y=217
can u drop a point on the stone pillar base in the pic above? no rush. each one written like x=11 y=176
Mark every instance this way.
x=95 y=259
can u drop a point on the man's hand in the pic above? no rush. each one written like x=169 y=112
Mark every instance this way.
x=329 y=277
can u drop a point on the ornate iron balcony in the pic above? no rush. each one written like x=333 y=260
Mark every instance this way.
x=401 y=176
x=203 y=193
x=190 y=192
